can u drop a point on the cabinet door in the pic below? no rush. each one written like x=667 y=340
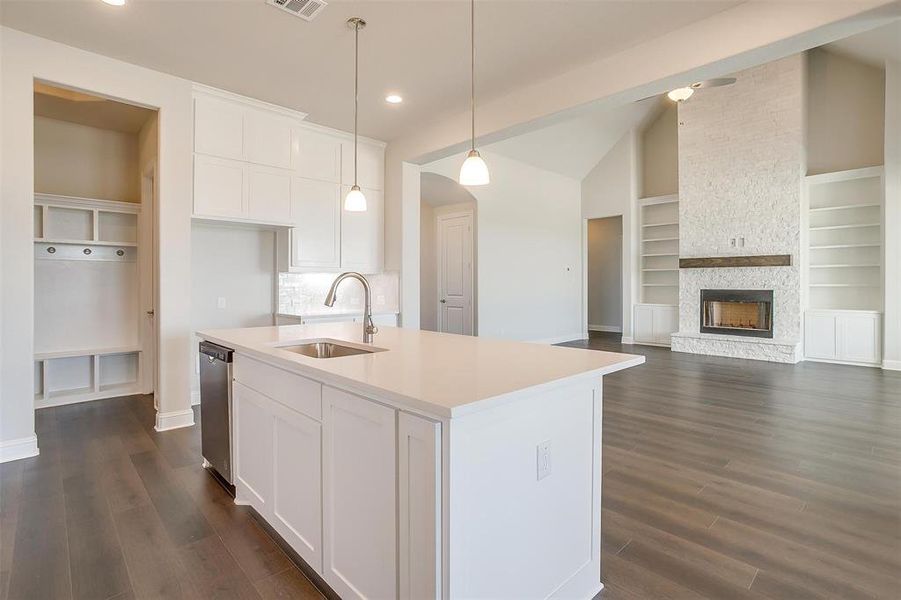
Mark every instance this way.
x=644 y=324
x=860 y=339
x=665 y=323
x=362 y=234
x=359 y=496
x=268 y=195
x=253 y=447
x=267 y=139
x=316 y=238
x=821 y=336
x=296 y=497
x=218 y=187
x=218 y=127
x=317 y=155
x=419 y=506
x=370 y=165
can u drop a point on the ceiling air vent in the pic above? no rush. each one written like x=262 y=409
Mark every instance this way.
x=305 y=9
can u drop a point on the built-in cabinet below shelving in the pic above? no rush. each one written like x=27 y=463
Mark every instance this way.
x=845 y=271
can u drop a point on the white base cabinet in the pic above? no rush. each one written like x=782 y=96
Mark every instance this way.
x=843 y=336
x=655 y=323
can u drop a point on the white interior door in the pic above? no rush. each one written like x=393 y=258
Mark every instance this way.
x=146 y=253
x=455 y=273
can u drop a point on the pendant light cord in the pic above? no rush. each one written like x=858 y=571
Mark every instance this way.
x=472 y=79
x=356 y=92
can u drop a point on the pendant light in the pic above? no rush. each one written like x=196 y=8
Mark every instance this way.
x=355 y=201
x=474 y=170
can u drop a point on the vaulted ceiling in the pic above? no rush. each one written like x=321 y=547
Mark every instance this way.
x=416 y=48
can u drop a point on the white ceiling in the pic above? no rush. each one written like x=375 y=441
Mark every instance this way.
x=874 y=46
x=416 y=48
x=573 y=147
x=105 y=114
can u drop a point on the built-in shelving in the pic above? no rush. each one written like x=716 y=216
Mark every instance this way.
x=86 y=305
x=659 y=226
x=845 y=263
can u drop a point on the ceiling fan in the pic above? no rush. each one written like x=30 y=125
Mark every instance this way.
x=684 y=93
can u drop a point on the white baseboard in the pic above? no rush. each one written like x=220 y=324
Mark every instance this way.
x=607 y=328
x=891 y=365
x=174 y=420
x=195 y=397
x=628 y=339
x=559 y=339
x=18 y=449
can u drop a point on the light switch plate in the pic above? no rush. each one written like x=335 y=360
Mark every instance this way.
x=544 y=459
x=220 y=302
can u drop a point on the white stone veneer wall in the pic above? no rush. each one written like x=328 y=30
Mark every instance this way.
x=741 y=161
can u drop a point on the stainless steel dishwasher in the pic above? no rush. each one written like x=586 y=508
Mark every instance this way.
x=216 y=408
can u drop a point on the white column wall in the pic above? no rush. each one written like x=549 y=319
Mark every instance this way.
x=25 y=58
x=891 y=358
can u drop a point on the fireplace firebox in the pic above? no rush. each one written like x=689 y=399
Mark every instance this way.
x=737 y=312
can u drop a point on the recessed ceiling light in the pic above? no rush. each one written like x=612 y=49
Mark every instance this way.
x=115 y=2
x=393 y=99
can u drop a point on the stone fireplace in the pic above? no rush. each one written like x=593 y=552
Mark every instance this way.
x=737 y=312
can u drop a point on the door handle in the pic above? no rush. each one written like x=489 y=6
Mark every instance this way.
x=443 y=301
x=150 y=313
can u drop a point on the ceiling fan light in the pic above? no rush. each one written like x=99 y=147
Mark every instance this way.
x=115 y=2
x=355 y=201
x=680 y=94
x=474 y=170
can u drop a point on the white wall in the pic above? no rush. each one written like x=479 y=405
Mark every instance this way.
x=609 y=190
x=428 y=274
x=106 y=166
x=891 y=357
x=22 y=59
x=236 y=265
x=660 y=154
x=845 y=113
x=605 y=267
x=529 y=250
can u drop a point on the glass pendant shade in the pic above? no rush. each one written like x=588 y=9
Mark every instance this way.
x=474 y=170
x=355 y=201
x=680 y=94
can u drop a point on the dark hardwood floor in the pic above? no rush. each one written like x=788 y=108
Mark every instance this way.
x=112 y=509
x=727 y=478
x=723 y=479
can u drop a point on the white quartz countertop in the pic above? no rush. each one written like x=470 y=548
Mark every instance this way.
x=440 y=374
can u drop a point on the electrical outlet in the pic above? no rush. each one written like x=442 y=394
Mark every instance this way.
x=220 y=302
x=544 y=459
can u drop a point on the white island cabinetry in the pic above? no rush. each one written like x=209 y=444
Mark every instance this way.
x=435 y=468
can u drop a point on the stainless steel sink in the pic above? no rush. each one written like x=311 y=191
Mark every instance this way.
x=328 y=350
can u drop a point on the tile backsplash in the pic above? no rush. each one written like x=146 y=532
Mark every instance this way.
x=304 y=293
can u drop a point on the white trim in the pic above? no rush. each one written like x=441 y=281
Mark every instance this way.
x=845 y=175
x=559 y=339
x=608 y=328
x=174 y=420
x=200 y=89
x=891 y=365
x=841 y=362
x=627 y=339
x=18 y=449
x=59 y=200
x=195 y=397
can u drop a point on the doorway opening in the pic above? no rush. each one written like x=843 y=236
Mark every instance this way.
x=94 y=180
x=604 y=293
x=448 y=257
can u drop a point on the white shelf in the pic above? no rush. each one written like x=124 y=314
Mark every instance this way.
x=50 y=355
x=835 y=246
x=666 y=239
x=660 y=224
x=86 y=242
x=841 y=207
x=653 y=200
x=848 y=226
x=844 y=285
x=659 y=285
x=845 y=266
x=654 y=270
x=848 y=175
x=662 y=254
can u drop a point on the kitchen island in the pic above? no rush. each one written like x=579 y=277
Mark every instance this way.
x=427 y=465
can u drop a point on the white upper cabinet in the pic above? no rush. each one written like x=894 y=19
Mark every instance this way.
x=218 y=127
x=370 y=165
x=267 y=139
x=316 y=237
x=317 y=155
x=362 y=234
x=268 y=194
x=218 y=187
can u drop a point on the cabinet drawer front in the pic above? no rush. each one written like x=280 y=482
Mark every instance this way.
x=268 y=195
x=296 y=392
x=218 y=128
x=218 y=187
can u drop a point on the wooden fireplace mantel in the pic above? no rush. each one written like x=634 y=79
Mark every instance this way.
x=764 y=260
